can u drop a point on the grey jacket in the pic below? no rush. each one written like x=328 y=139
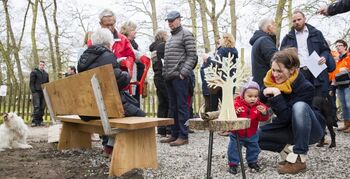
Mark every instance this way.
x=180 y=54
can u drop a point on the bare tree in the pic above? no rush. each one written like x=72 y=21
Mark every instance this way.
x=214 y=17
x=278 y=19
x=233 y=17
x=51 y=52
x=57 y=35
x=205 y=33
x=35 y=54
x=192 y=4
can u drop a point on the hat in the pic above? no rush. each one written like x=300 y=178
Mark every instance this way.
x=173 y=15
x=249 y=85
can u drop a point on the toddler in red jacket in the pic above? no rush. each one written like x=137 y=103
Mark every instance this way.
x=247 y=105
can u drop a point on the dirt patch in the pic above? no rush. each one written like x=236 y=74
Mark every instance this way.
x=45 y=161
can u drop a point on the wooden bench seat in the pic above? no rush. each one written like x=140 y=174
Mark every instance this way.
x=95 y=93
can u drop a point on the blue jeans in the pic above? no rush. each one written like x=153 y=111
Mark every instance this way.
x=252 y=145
x=303 y=130
x=178 y=91
x=344 y=97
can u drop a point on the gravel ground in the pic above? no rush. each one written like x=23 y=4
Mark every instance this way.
x=189 y=161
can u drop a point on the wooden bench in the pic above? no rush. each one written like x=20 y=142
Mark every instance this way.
x=95 y=93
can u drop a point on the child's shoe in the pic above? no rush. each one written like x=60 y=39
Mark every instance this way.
x=233 y=169
x=254 y=166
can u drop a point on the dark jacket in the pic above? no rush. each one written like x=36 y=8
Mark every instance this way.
x=340 y=6
x=315 y=42
x=98 y=55
x=157 y=64
x=263 y=48
x=180 y=56
x=37 y=78
x=302 y=90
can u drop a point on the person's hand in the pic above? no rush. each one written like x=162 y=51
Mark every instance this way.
x=239 y=110
x=322 y=61
x=271 y=92
x=261 y=109
x=330 y=93
x=323 y=11
x=182 y=77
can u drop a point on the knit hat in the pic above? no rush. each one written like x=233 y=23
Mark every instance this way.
x=249 y=85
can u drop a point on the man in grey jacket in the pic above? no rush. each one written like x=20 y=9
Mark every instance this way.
x=179 y=60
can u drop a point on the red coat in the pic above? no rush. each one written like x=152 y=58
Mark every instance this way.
x=122 y=48
x=250 y=111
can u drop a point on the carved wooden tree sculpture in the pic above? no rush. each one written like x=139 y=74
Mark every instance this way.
x=220 y=77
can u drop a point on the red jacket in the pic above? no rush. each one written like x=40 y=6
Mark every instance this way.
x=122 y=48
x=250 y=111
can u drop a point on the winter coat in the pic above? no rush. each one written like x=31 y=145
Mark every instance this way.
x=37 y=78
x=180 y=54
x=157 y=64
x=340 y=6
x=251 y=112
x=98 y=55
x=122 y=48
x=263 y=48
x=315 y=42
x=282 y=104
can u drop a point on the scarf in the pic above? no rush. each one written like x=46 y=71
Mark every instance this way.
x=285 y=87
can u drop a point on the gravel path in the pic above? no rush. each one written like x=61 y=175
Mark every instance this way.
x=190 y=161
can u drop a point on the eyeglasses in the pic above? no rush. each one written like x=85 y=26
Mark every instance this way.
x=340 y=45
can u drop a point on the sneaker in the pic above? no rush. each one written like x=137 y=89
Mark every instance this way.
x=254 y=166
x=233 y=169
x=33 y=125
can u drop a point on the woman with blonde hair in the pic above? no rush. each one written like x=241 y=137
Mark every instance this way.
x=128 y=29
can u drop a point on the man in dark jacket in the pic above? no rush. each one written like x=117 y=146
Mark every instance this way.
x=338 y=7
x=263 y=47
x=37 y=77
x=308 y=39
x=179 y=60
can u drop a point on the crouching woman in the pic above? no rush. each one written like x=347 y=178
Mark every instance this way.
x=296 y=124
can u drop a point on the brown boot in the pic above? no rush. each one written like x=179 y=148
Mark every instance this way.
x=168 y=140
x=347 y=130
x=346 y=126
x=292 y=168
x=179 y=142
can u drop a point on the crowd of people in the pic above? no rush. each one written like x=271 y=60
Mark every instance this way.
x=282 y=88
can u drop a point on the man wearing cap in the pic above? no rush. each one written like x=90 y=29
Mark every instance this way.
x=179 y=60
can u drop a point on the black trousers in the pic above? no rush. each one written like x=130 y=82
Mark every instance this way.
x=38 y=107
x=163 y=102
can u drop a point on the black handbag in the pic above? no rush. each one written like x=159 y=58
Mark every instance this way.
x=342 y=78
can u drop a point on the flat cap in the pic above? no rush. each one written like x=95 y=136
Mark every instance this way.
x=173 y=15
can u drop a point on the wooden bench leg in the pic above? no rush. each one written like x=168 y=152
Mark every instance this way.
x=134 y=149
x=71 y=137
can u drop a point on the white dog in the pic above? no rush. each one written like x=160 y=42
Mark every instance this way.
x=13 y=132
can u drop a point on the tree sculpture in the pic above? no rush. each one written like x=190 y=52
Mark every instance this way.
x=229 y=77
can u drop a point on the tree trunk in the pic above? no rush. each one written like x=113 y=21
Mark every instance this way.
x=57 y=45
x=290 y=7
x=192 y=4
x=11 y=78
x=233 y=18
x=204 y=26
x=214 y=17
x=154 y=17
x=278 y=20
x=52 y=53
x=34 y=46
x=14 y=47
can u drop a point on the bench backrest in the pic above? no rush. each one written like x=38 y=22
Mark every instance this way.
x=75 y=95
